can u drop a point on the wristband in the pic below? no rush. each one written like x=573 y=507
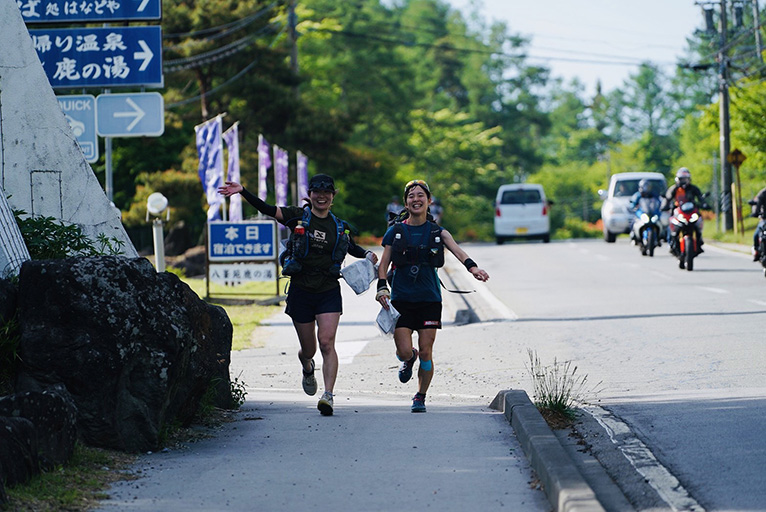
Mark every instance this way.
x=382 y=284
x=469 y=264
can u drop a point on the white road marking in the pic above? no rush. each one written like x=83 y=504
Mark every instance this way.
x=644 y=461
x=714 y=290
x=759 y=302
x=347 y=350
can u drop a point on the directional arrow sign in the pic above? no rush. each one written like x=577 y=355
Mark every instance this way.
x=52 y=11
x=130 y=115
x=100 y=56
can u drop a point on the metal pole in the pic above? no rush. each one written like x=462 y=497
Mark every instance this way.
x=159 y=245
x=108 y=186
x=723 y=107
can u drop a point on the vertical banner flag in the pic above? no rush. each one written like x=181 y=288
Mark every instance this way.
x=210 y=152
x=264 y=162
x=303 y=177
x=231 y=138
x=281 y=165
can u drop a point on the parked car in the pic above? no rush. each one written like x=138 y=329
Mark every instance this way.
x=521 y=211
x=615 y=212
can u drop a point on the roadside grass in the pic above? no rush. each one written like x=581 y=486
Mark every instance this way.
x=557 y=388
x=80 y=485
x=77 y=486
x=244 y=304
x=711 y=232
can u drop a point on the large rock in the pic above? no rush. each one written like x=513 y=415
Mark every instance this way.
x=54 y=417
x=18 y=451
x=136 y=349
x=8 y=294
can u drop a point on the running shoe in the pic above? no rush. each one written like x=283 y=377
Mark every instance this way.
x=309 y=381
x=405 y=369
x=325 y=404
x=419 y=403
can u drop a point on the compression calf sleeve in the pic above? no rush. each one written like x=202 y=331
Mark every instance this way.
x=426 y=366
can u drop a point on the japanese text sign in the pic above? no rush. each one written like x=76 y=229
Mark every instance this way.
x=100 y=57
x=65 y=11
x=242 y=241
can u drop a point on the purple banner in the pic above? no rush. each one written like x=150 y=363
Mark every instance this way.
x=281 y=166
x=231 y=138
x=264 y=162
x=303 y=177
x=210 y=152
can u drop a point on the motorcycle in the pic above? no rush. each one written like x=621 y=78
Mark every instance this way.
x=646 y=229
x=683 y=230
x=761 y=241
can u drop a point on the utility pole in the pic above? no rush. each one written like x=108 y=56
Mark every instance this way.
x=292 y=22
x=723 y=108
x=757 y=30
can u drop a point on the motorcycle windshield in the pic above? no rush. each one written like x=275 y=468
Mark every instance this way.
x=687 y=207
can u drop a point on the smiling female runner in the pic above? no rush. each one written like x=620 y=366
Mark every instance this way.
x=313 y=300
x=414 y=244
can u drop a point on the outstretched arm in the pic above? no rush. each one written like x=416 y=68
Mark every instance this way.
x=231 y=187
x=462 y=256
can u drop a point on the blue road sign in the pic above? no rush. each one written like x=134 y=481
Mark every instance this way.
x=100 y=56
x=80 y=113
x=58 y=11
x=140 y=114
x=242 y=241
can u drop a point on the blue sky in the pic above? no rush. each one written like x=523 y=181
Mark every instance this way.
x=597 y=39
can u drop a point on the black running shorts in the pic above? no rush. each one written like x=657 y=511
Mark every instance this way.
x=419 y=315
x=303 y=306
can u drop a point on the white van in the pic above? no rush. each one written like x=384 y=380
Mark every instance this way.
x=521 y=211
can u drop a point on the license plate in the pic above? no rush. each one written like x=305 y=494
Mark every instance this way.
x=521 y=231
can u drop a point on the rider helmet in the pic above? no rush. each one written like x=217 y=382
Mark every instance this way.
x=645 y=188
x=683 y=177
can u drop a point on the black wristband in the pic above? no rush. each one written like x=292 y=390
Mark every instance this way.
x=260 y=205
x=469 y=264
x=382 y=284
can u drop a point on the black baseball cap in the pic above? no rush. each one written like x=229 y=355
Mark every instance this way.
x=322 y=182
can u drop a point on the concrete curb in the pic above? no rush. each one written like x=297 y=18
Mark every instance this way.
x=565 y=487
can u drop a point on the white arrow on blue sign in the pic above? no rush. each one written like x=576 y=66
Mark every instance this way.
x=80 y=113
x=140 y=114
x=53 y=11
x=100 y=56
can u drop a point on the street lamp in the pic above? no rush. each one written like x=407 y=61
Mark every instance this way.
x=156 y=205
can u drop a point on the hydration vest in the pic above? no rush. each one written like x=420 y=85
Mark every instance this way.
x=298 y=247
x=402 y=253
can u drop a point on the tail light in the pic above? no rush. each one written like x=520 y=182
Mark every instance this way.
x=497 y=211
x=545 y=209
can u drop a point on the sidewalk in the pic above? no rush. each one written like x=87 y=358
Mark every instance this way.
x=373 y=454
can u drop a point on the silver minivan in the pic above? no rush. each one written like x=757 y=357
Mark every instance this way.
x=521 y=211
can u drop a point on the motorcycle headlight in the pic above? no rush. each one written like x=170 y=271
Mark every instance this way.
x=644 y=217
x=694 y=217
x=655 y=219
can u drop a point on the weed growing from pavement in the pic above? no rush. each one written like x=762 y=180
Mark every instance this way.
x=557 y=388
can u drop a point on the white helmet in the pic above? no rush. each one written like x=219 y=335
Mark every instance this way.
x=683 y=177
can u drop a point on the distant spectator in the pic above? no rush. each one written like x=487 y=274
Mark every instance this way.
x=394 y=208
x=437 y=210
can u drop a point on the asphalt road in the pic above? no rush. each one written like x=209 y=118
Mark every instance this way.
x=677 y=358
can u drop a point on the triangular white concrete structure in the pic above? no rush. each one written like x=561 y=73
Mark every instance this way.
x=42 y=169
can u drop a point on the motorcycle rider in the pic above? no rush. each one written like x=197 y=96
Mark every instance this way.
x=646 y=190
x=759 y=211
x=681 y=192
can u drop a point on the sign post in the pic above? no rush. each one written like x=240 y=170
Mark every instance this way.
x=248 y=251
x=736 y=158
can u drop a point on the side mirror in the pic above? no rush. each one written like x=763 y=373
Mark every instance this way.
x=602 y=194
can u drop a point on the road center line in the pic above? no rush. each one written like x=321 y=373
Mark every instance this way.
x=714 y=290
